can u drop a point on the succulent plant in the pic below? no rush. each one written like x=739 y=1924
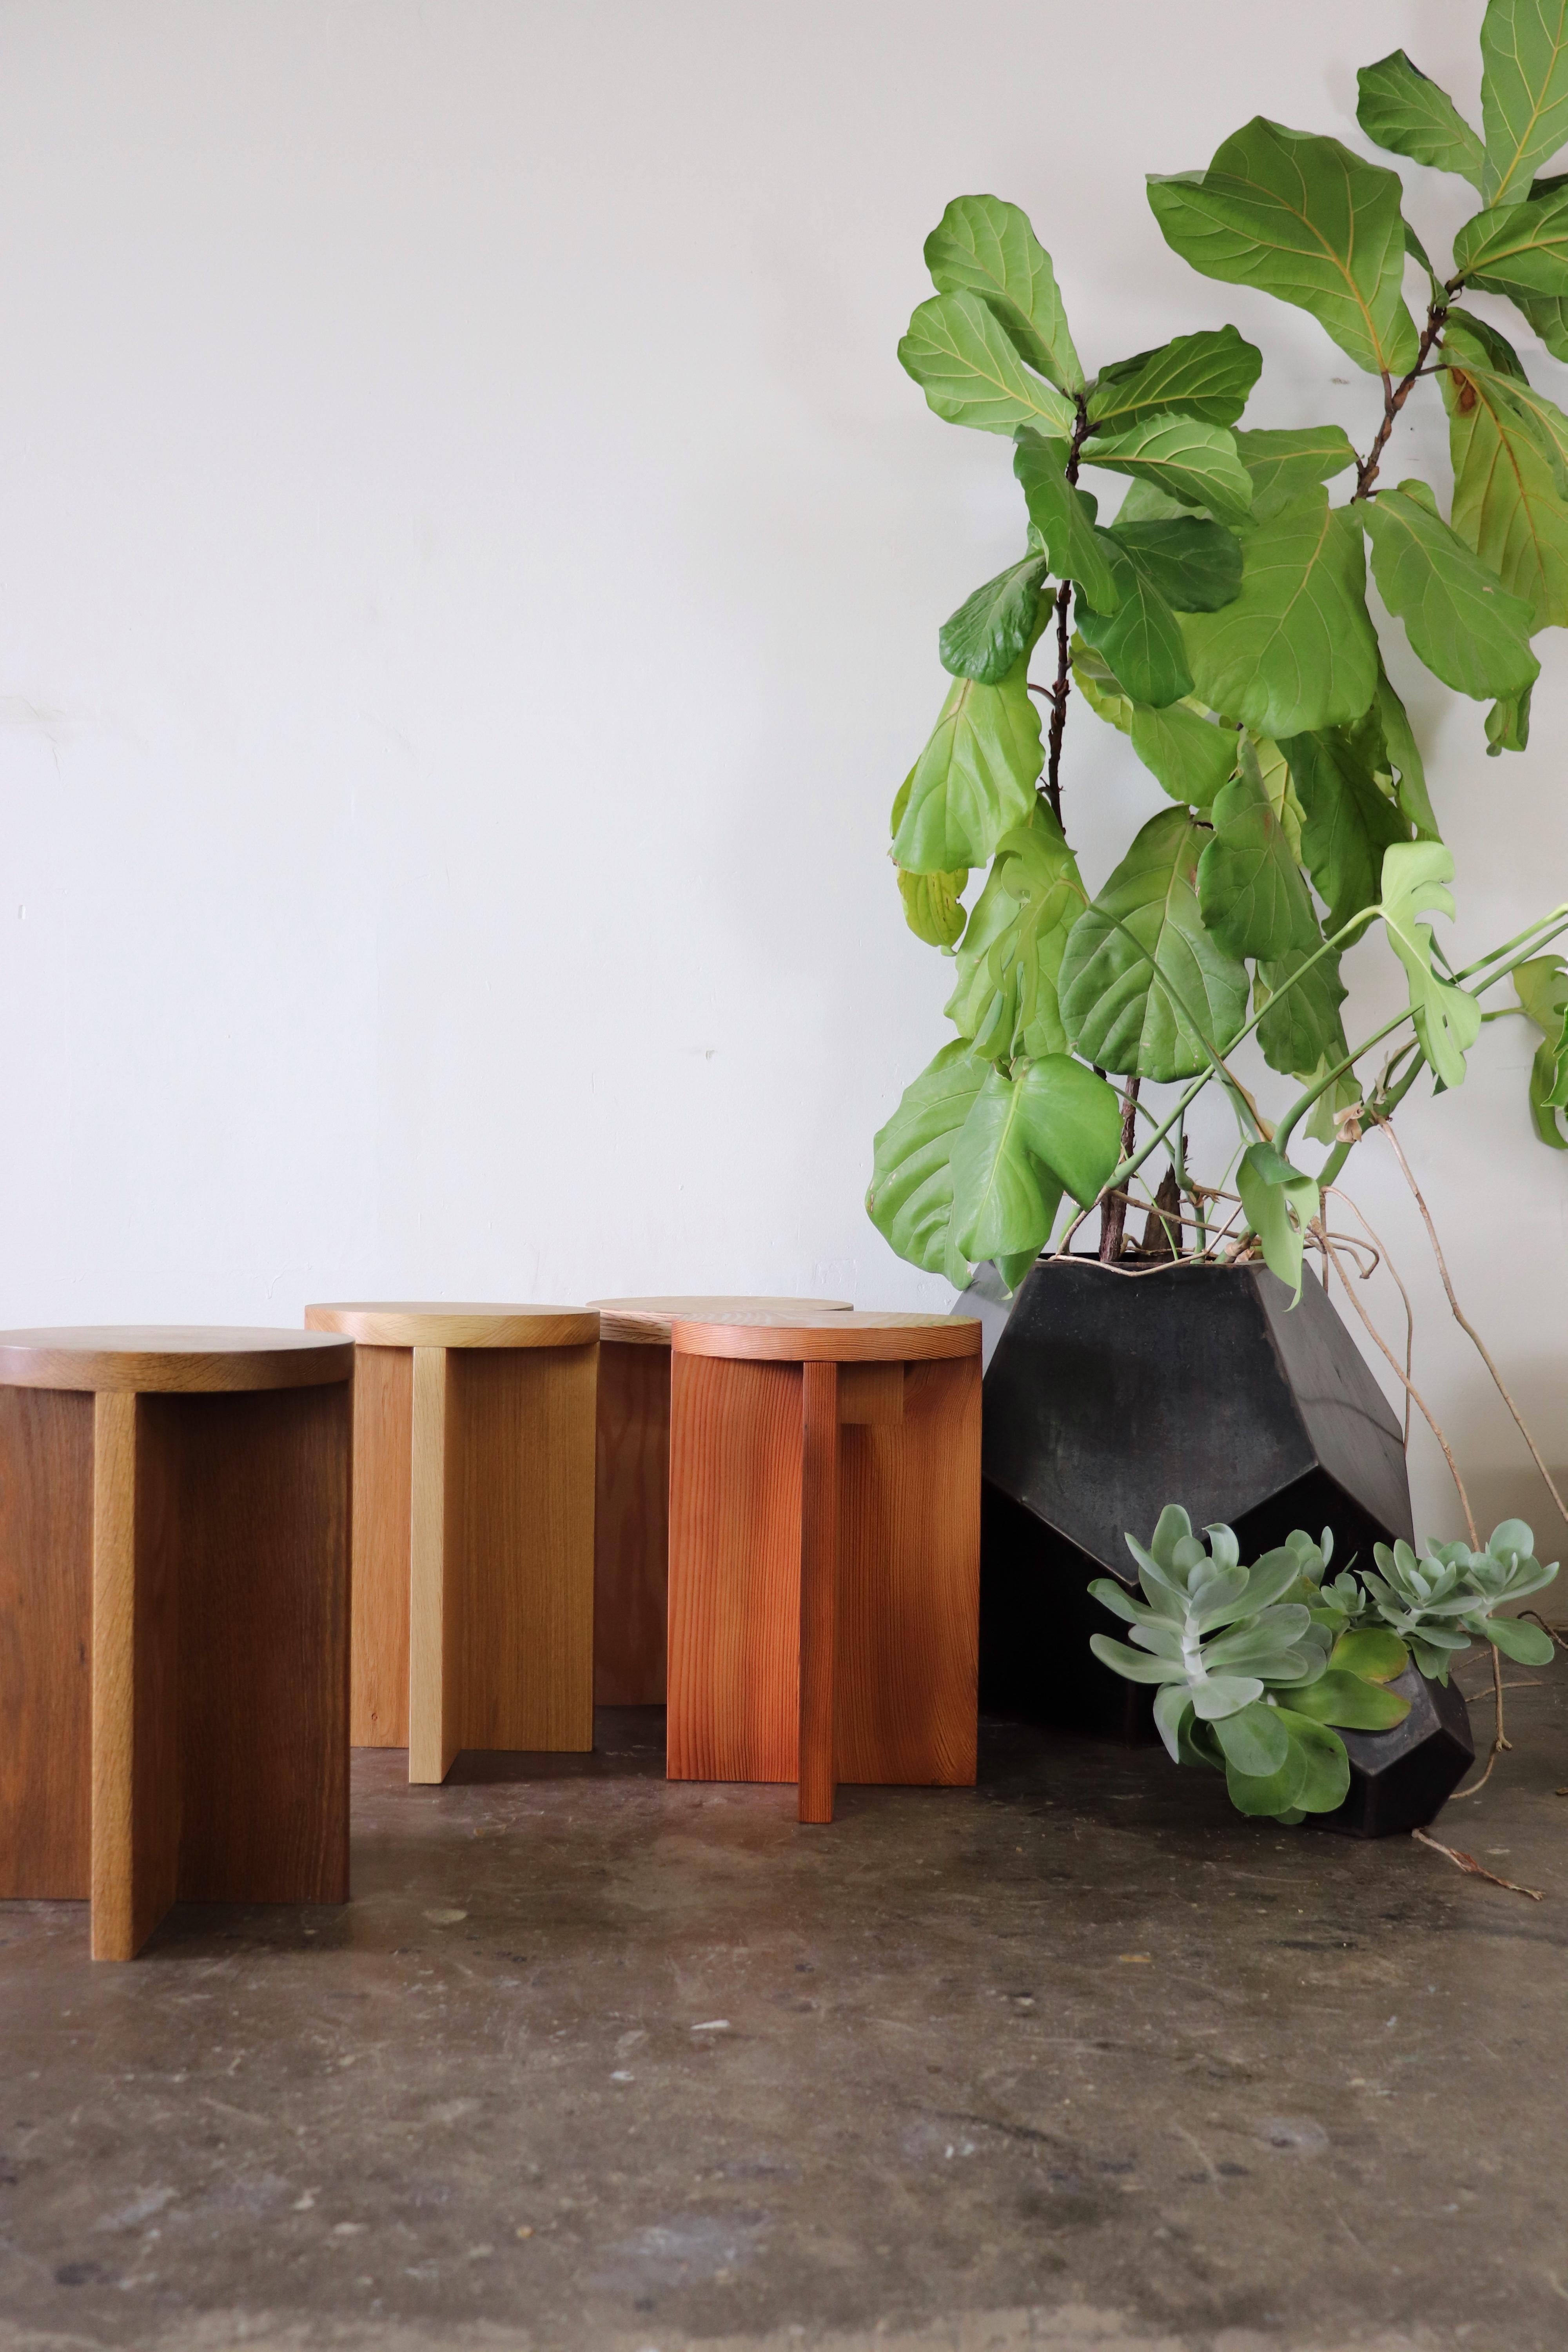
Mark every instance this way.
x=1437 y=1601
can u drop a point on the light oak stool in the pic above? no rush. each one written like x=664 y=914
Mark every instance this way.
x=631 y=1506
x=825 y=1551
x=174 y=1511
x=473 y=1563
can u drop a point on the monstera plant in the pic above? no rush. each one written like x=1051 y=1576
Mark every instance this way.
x=1218 y=620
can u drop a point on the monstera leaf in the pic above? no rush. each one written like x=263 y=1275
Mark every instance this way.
x=1524 y=92
x=982 y=246
x=959 y=353
x=975 y=778
x=1401 y=110
x=910 y=1199
x=1459 y=619
x=1304 y=219
x=1209 y=376
x=1296 y=650
x=1144 y=989
x=1448 y=1019
x=1541 y=986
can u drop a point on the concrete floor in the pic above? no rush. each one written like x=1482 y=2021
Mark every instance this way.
x=1077 y=2060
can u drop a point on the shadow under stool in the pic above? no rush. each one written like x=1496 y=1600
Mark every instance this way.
x=473 y=1558
x=631 y=1508
x=823 y=1551
x=174 y=1515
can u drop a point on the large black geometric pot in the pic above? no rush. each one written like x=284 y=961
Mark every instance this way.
x=1108 y=1395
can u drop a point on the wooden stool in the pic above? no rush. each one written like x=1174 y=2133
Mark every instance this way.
x=473 y=1565
x=174 y=1621
x=631 y=1505
x=825 y=1551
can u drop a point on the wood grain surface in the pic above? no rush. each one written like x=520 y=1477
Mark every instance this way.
x=857 y=1338
x=747 y=1483
x=45 y=1636
x=815 y=1768
x=383 y=1432
x=439 y=1324
x=433 y=1740
x=249 y=1499
x=646 y=1322
x=145 y=1357
x=520 y=1469
x=631 y=1523
x=136 y=1758
x=734 y=1569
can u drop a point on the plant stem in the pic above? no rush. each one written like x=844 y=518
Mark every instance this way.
x=1058 y=694
x=1113 y=1209
x=1394 y=396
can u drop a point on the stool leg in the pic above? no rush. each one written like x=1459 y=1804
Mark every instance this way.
x=433 y=1738
x=818 y=1587
x=135 y=1764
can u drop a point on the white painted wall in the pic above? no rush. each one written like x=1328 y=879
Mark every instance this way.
x=469 y=580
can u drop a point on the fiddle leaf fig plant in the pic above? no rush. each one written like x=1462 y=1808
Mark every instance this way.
x=1199 y=586
x=1259 y=1669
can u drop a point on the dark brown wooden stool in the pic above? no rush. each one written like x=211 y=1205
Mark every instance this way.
x=174 y=1509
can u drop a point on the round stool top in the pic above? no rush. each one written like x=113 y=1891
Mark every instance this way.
x=853 y=1338
x=441 y=1323
x=646 y=1321
x=185 y=1359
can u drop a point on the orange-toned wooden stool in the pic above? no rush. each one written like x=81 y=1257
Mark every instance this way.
x=825 y=1551
x=631 y=1507
x=174 y=1621
x=473 y=1564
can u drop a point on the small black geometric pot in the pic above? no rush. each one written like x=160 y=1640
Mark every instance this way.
x=1401 y=1780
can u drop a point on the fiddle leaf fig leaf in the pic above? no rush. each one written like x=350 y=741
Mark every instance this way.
x=1208 y=375
x=1402 y=110
x=1508 y=506
x=1300 y=1033
x=1524 y=92
x=959 y=354
x=1302 y=218
x=910 y=1198
x=1191 y=461
x=1251 y=891
x=1280 y=1204
x=976 y=777
x=1508 y=725
x=992 y=628
x=1098 y=685
x=1143 y=987
x=1415 y=875
x=1072 y=1123
x=931 y=908
x=1349 y=821
x=1459 y=619
x=1282 y=465
x=1004 y=1202
x=1522 y=247
x=1004 y=998
x=1187 y=754
x=1401 y=754
x=1064 y=516
x=984 y=246
x=1296 y=650
x=1196 y=565
x=1141 y=639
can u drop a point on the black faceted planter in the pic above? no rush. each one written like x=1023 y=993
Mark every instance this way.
x=1108 y=1395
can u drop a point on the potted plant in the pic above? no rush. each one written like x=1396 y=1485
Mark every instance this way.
x=1218 y=619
